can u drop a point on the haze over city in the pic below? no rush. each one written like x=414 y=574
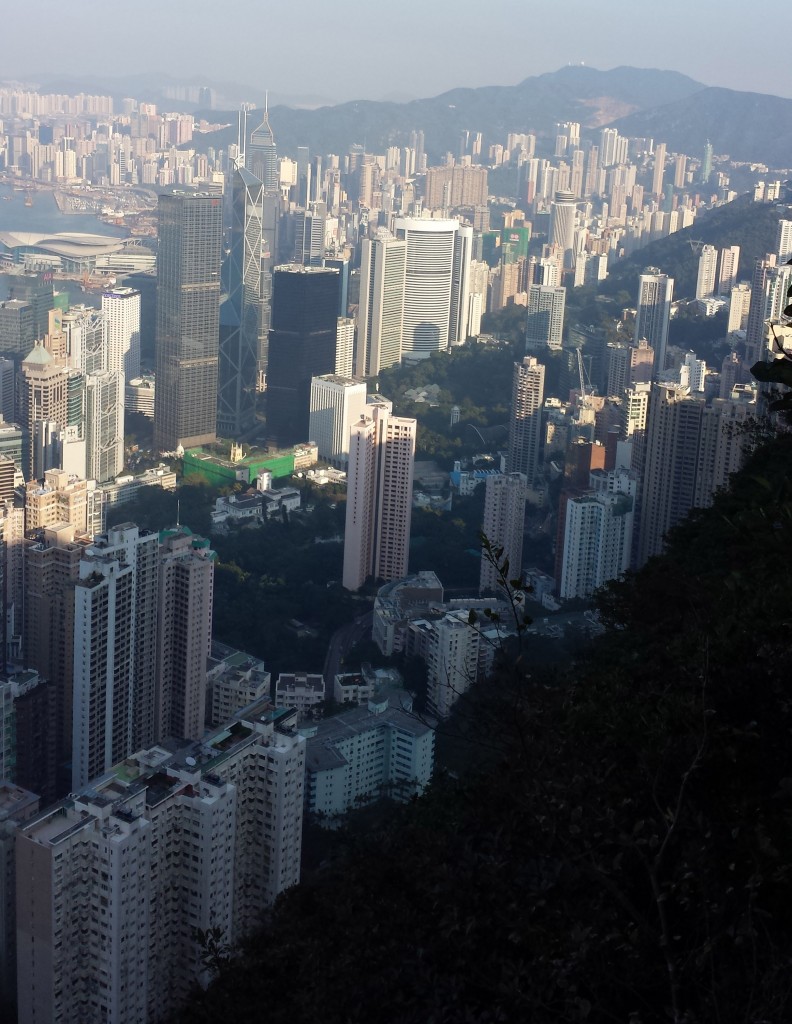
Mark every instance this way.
x=395 y=513
x=332 y=52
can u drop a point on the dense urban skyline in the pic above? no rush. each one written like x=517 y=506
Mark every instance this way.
x=344 y=57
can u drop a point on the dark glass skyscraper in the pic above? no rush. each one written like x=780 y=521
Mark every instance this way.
x=188 y=306
x=245 y=312
x=302 y=344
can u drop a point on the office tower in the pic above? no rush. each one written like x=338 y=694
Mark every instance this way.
x=309 y=235
x=545 y=319
x=302 y=345
x=525 y=422
x=35 y=289
x=727 y=273
x=337 y=402
x=104 y=426
x=44 y=398
x=707 y=265
x=783 y=246
x=8 y=373
x=261 y=155
x=739 y=305
x=433 y=277
x=188 y=305
x=706 y=166
x=341 y=264
x=659 y=169
x=164 y=847
x=245 y=309
x=121 y=315
x=382 y=281
x=186 y=579
x=618 y=368
x=460 y=286
x=504 y=518
x=17 y=327
x=379 y=497
x=303 y=194
x=562 y=225
x=345 y=346
x=653 y=313
x=597 y=539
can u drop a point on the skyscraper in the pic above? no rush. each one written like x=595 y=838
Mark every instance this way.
x=705 y=282
x=245 y=310
x=659 y=169
x=544 y=325
x=525 y=423
x=727 y=272
x=302 y=345
x=121 y=315
x=783 y=248
x=504 y=518
x=382 y=282
x=184 y=634
x=262 y=156
x=188 y=307
x=104 y=426
x=337 y=402
x=379 y=496
x=562 y=225
x=653 y=313
x=436 y=271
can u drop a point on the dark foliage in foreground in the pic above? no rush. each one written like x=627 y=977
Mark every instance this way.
x=619 y=850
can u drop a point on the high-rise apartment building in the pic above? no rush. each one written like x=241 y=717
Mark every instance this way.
x=525 y=422
x=504 y=518
x=707 y=266
x=336 y=404
x=653 y=313
x=659 y=169
x=121 y=315
x=166 y=845
x=544 y=325
x=691 y=449
x=727 y=271
x=302 y=345
x=783 y=246
x=188 y=306
x=739 y=305
x=598 y=531
x=379 y=496
x=184 y=634
x=345 y=346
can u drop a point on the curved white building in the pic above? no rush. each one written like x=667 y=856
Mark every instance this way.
x=437 y=271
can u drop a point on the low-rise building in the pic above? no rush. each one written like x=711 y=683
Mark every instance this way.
x=300 y=690
x=234 y=681
x=381 y=749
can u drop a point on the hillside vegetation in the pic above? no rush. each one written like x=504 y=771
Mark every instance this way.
x=618 y=849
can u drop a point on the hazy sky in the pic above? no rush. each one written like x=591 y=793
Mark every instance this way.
x=342 y=50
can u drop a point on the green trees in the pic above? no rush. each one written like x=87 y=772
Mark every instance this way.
x=618 y=848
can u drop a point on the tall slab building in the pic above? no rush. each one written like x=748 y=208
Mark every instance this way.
x=379 y=496
x=188 y=315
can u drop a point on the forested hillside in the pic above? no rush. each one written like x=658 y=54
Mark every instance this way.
x=618 y=849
